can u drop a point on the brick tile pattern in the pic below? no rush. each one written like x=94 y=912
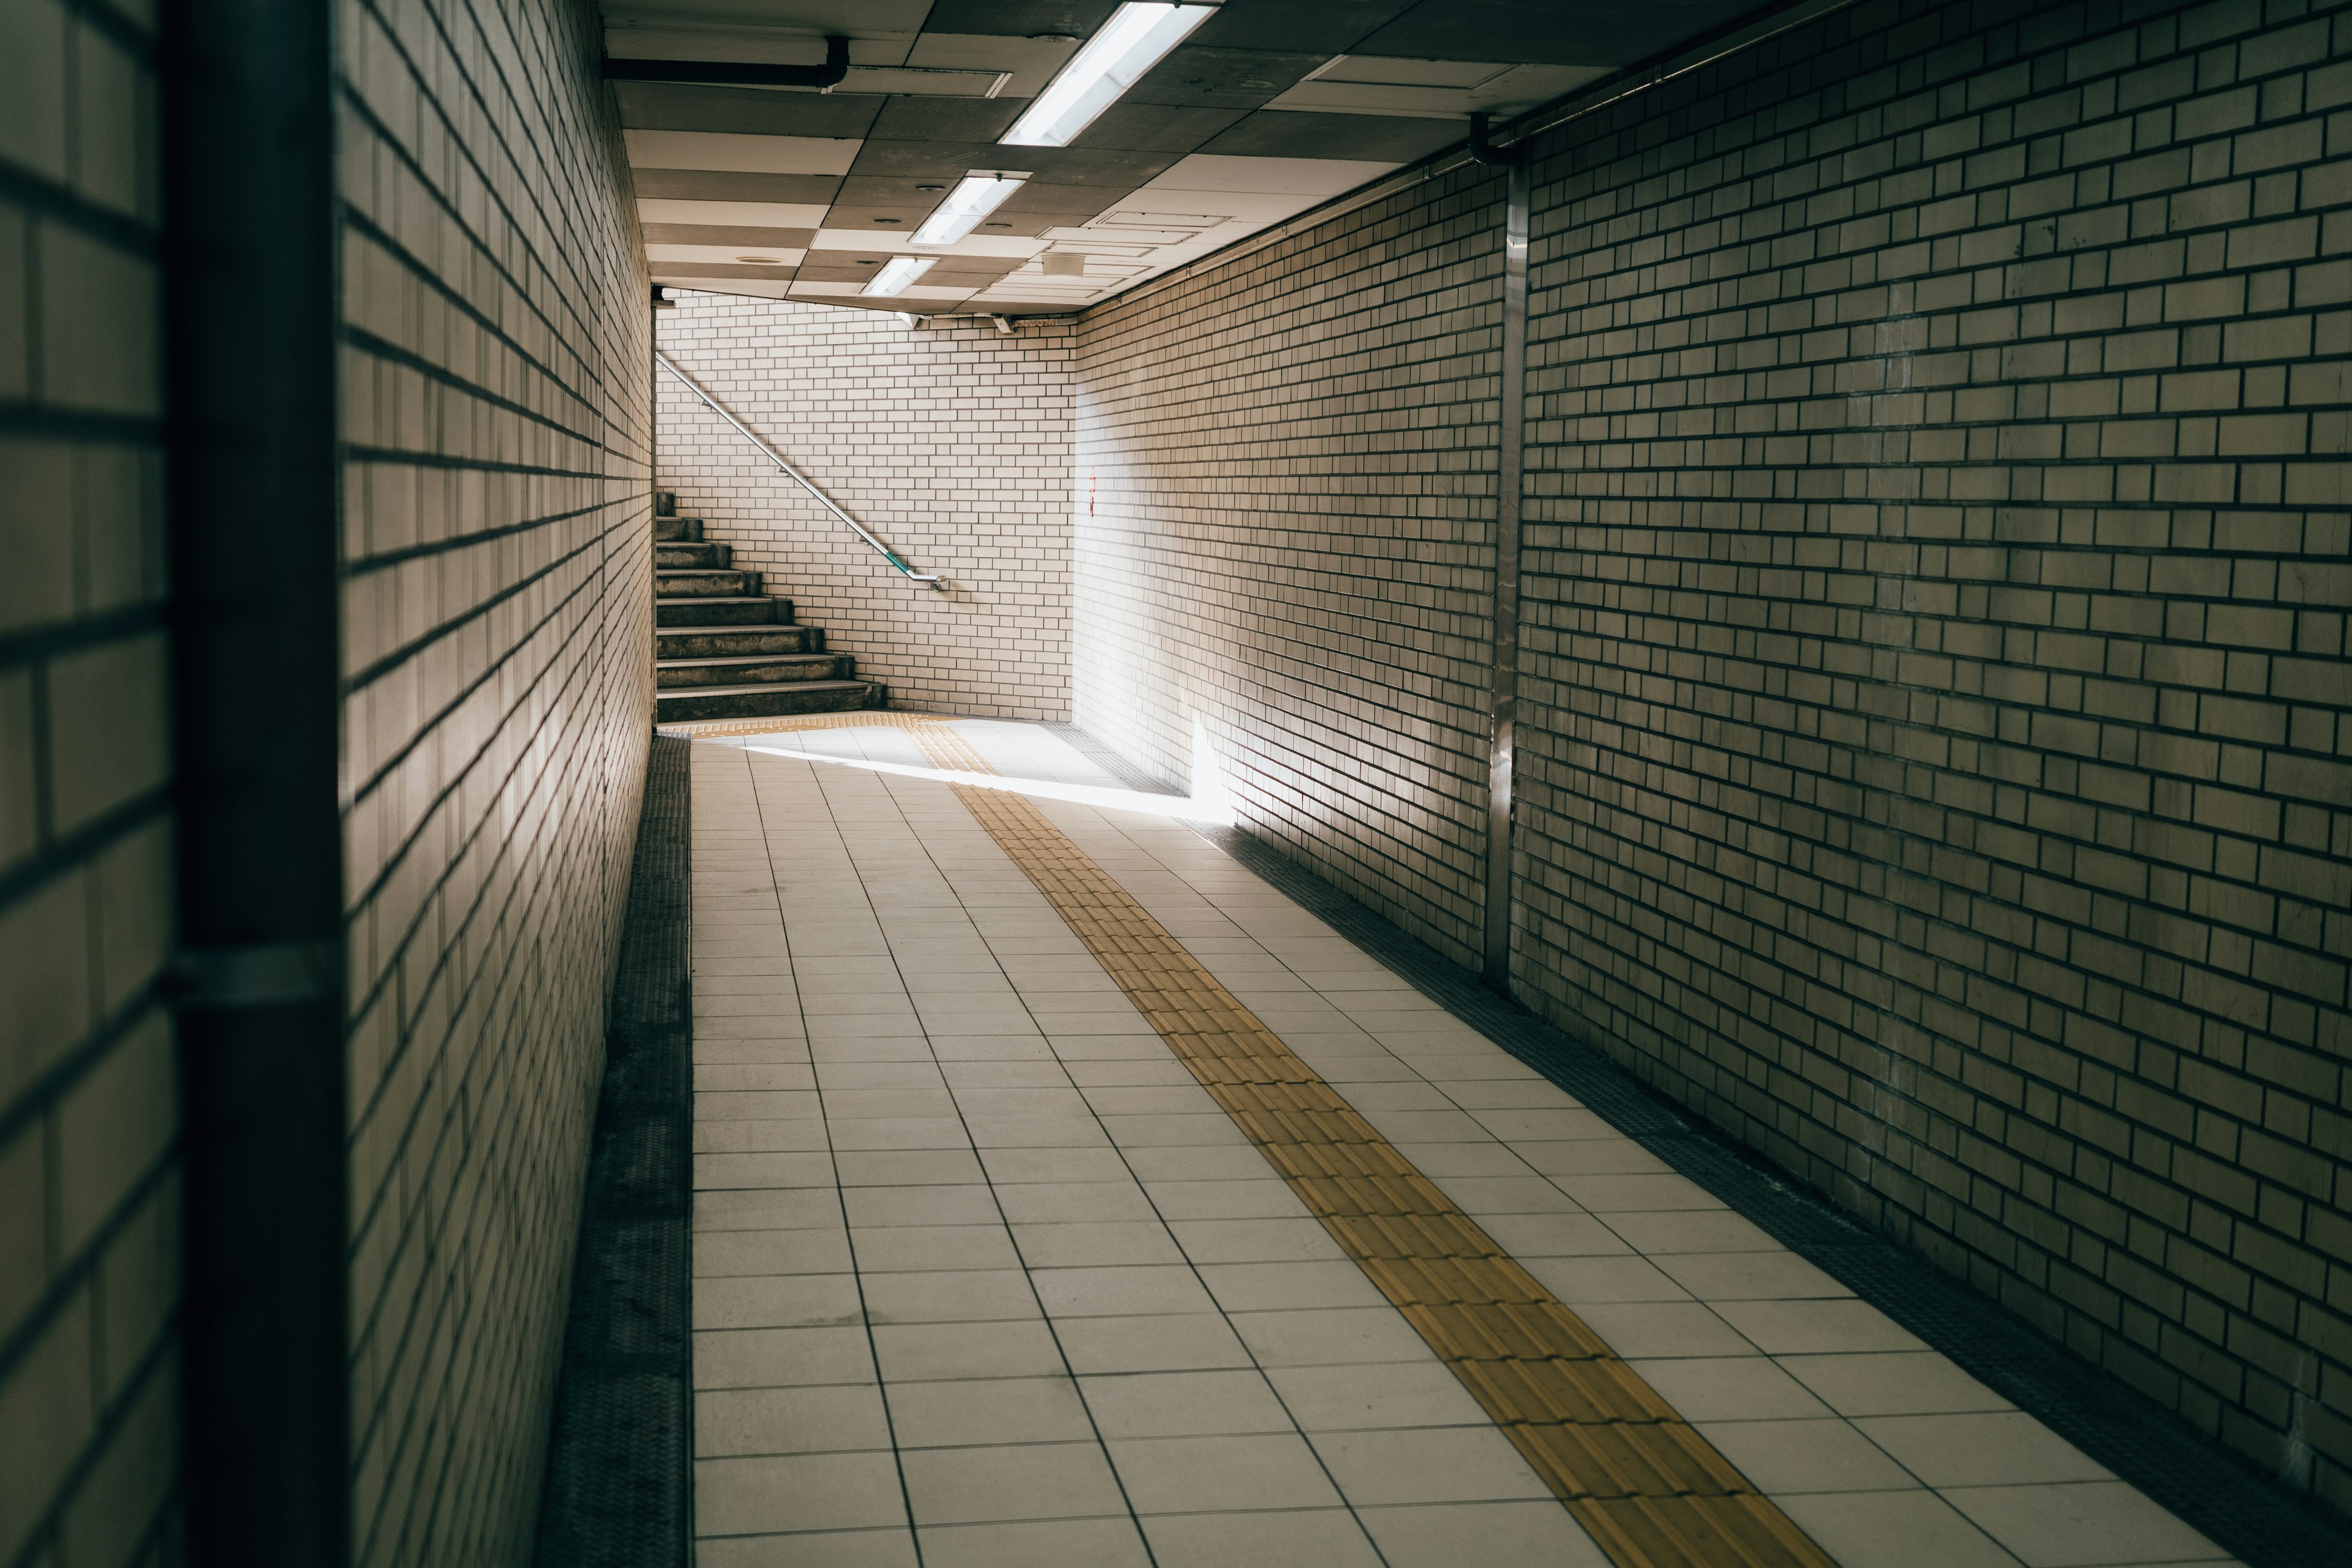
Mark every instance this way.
x=951 y=442
x=1285 y=505
x=1935 y=736
x=89 y=1223
x=498 y=662
x=1941 y=741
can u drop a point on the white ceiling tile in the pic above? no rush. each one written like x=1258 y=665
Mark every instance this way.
x=912 y=293
x=1404 y=72
x=1511 y=89
x=1244 y=210
x=1031 y=62
x=904 y=245
x=727 y=254
x=732 y=214
x=1284 y=176
x=741 y=155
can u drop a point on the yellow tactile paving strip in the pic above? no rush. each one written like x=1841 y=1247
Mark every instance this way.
x=1650 y=1489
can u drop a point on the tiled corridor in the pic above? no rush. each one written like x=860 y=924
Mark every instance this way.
x=983 y=1275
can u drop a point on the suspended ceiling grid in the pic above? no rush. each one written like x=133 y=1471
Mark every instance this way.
x=1269 y=108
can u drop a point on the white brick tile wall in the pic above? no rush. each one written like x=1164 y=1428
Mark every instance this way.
x=88 y=1278
x=497 y=644
x=1936 y=743
x=950 y=442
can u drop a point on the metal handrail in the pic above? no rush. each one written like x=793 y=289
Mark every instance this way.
x=823 y=500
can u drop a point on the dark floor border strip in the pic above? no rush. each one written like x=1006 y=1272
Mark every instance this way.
x=2247 y=1511
x=619 y=1488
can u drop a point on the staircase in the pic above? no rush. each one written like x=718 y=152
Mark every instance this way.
x=723 y=649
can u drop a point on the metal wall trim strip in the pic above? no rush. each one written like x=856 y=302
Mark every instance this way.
x=1510 y=486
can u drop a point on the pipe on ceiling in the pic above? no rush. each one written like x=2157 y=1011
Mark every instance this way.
x=737 y=73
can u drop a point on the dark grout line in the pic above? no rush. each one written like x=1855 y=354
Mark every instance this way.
x=2244 y=1509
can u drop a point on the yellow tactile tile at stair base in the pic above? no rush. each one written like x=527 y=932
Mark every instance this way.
x=1644 y=1483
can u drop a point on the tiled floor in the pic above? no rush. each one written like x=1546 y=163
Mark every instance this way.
x=982 y=1276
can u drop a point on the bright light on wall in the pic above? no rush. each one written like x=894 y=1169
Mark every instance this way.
x=1130 y=44
x=898 y=272
x=980 y=193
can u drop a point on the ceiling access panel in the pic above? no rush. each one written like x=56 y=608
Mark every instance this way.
x=745 y=111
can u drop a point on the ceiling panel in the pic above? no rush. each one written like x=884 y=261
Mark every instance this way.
x=1268 y=109
x=740 y=237
x=1200 y=77
x=741 y=155
x=1275 y=132
x=727 y=185
x=1075 y=18
x=948 y=120
x=816 y=19
x=1586 y=32
x=1156 y=127
x=732 y=214
x=775 y=258
x=750 y=110
x=1322 y=28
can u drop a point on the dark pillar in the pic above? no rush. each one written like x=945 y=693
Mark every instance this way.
x=251 y=318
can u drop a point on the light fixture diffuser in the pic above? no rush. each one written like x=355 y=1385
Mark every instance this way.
x=898 y=272
x=1138 y=33
x=979 y=193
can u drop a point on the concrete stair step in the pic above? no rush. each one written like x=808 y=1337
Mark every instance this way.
x=700 y=583
x=775 y=668
x=667 y=529
x=715 y=642
x=768 y=701
x=678 y=556
x=722 y=610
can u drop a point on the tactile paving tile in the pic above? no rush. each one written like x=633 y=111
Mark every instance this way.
x=1645 y=1484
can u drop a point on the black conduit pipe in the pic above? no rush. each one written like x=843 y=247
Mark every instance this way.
x=736 y=73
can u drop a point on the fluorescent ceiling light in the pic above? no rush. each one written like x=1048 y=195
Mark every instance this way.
x=980 y=193
x=1130 y=44
x=898 y=272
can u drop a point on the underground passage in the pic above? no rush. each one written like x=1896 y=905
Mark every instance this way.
x=1388 y=783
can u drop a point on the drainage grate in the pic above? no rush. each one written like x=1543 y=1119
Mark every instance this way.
x=618 y=1492
x=2246 y=1512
